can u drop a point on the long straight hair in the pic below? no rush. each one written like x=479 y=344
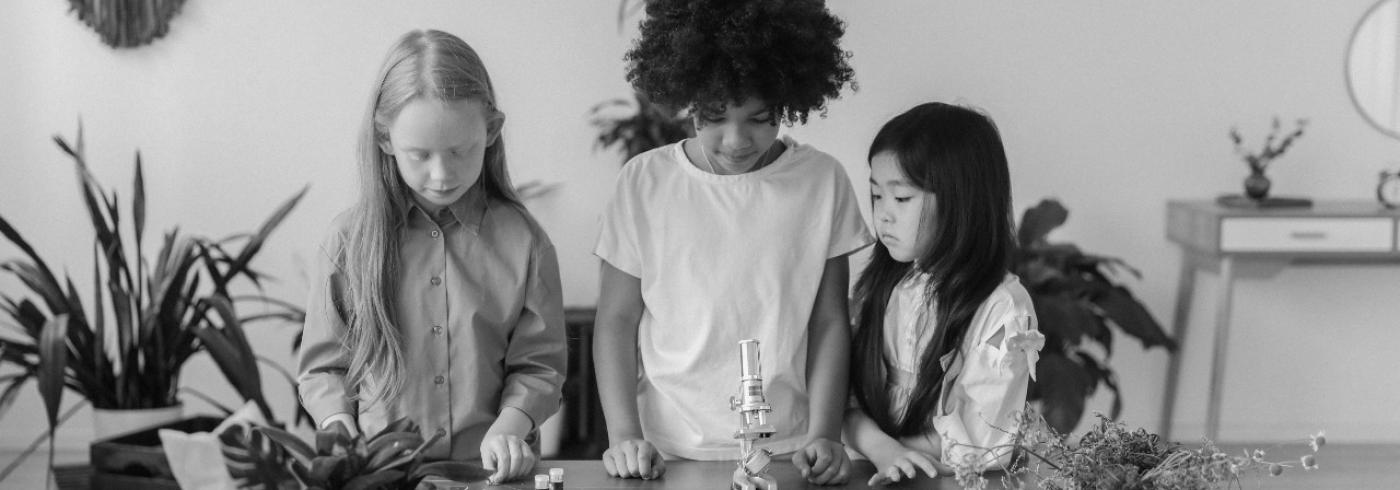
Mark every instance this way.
x=421 y=64
x=955 y=154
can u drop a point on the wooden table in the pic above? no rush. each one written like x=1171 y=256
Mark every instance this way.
x=1236 y=242
x=708 y=475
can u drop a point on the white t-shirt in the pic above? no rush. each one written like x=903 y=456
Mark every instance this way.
x=724 y=258
x=984 y=387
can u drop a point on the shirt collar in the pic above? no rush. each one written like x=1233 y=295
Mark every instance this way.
x=467 y=210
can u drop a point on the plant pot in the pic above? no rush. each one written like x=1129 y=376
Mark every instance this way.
x=109 y=423
x=1256 y=186
x=136 y=459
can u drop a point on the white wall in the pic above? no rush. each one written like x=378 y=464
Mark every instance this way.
x=1111 y=107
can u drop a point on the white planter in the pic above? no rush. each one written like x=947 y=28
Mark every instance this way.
x=108 y=423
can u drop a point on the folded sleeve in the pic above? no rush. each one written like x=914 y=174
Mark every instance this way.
x=323 y=358
x=536 y=354
x=618 y=241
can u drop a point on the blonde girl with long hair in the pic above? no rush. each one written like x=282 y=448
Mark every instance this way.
x=437 y=296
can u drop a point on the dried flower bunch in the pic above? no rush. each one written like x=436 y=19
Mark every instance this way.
x=1110 y=456
x=1273 y=145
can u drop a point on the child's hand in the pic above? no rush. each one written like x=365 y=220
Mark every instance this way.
x=823 y=462
x=906 y=465
x=508 y=455
x=634 y=458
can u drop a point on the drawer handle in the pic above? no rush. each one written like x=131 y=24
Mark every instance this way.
x=1309 y=235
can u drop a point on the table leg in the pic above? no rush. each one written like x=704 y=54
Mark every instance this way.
x=1222 y=337
x=1185 y=291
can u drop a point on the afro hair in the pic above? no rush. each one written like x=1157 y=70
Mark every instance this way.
x=694 y=53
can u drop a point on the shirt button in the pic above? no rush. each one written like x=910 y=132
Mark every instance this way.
x=435 y=234
x=439 y=380
x=437 y=329
x=442 y=432
x=436 y=280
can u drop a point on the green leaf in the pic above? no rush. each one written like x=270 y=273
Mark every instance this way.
x=452 y=470
x=138 y=204
x=1062 y=385
x=387 y=446
x=294 y=446
x=43 y=275
x=53 y=363
x=1064 y=319
x=1132 y=317
x=101 y=362
x=1102 y=374
x=41 y=282
x=332 y=439
x=237 y=363
x=324 y=469
x=374 y=480
x=255 y=243
x=1039 y=221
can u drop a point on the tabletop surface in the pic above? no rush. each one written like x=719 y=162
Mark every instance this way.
x=710 y=475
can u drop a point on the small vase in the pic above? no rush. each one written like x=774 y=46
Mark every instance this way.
x=1256 y=186
x=108 y=423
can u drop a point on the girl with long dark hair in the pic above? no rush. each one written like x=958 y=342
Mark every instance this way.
x=946 y=338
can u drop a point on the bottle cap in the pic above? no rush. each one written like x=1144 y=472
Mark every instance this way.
x=556 y=474
x=542 y=481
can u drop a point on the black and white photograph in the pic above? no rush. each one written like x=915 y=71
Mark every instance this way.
x=676 y=244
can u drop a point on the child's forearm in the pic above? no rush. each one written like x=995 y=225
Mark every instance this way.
x=865 y=436
x=615 y=350
x=828 y=353
x=511 y=421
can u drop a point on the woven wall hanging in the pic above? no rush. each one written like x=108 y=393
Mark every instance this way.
x=127 y=23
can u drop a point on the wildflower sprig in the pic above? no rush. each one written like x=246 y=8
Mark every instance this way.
x=1273 y=145
x=1110 y=455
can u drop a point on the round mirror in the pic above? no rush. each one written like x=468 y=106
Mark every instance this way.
x=1373 y=66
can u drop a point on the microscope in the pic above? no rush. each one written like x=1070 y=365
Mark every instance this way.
x=753 y=411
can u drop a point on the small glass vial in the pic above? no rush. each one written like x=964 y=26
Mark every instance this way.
x=556 y=479
x=541 y=482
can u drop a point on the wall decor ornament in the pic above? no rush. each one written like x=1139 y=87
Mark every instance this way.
x=127 y=23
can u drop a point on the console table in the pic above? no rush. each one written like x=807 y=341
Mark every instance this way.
x=1224 y=241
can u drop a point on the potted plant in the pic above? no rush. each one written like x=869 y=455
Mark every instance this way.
x=1079 y=303
x=124 y=346
x=1256 y=186
x=637 y=125
x=392 y=459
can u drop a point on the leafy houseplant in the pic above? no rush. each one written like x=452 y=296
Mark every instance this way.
x=1077 y=302
x=125 y=347
x=393 y=459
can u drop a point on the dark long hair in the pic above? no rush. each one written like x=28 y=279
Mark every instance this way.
x=956 y=154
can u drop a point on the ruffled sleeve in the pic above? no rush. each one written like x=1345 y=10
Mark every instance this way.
x=990 y=388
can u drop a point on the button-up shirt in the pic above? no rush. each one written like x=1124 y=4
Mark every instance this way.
x=480 y=319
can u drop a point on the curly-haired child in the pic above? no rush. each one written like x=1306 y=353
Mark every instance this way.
x=736 y=233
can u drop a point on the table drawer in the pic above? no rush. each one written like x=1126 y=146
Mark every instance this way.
x=1307 y=234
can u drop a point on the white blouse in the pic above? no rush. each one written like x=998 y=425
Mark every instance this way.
x=986 y=378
